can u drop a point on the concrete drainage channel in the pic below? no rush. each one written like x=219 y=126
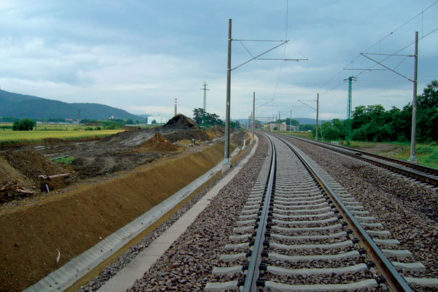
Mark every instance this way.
x=75 y=269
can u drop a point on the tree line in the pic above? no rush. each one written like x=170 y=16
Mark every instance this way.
x=375 y=123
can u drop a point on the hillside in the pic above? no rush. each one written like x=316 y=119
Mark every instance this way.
x=307 y=121
x=27 y=106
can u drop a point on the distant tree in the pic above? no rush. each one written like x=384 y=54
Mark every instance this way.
x=210 y=119
x=197 y=115
x=374 y=123
x=154 y=122
x=235 y=124
x=427 y=119
x=333 y=130
x=307 y=127
x=23 y=125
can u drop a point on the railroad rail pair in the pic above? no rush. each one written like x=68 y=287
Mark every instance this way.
x=301 y=231
x=420 y=173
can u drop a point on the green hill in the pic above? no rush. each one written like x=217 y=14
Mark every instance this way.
x=27 y=106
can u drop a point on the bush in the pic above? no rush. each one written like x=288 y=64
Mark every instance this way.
x=23 y=125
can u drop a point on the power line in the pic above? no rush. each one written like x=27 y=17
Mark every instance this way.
x=379 y=41
x=395 y=53
x=402 y=25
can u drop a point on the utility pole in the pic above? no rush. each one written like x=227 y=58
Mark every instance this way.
x=290 y=122
x=350 y=88
x=229 y=69
x=176 y=106
x=227 y=114
x=412 y=158
x=317 y=115
x=205 y=103
x=253 y=114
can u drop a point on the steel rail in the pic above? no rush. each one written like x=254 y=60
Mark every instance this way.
x=358 y=154
x=393 y=279
x=253 y=272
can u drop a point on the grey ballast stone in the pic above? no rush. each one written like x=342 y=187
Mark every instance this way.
x=365 y=284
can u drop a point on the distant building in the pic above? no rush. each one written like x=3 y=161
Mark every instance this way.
x=280 y=127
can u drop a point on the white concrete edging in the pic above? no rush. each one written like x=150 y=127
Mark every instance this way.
x=68 y=274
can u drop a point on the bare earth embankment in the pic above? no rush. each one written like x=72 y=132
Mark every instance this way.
x=35 y=230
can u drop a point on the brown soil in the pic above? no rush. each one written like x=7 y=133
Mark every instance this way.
x=157 y=143
x=74 y=221
x=8 y=174
x=181 y=122
x=32 y=164
x=95 y=158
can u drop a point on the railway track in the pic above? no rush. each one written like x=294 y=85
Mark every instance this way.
x=426 y=175
x=301 y=231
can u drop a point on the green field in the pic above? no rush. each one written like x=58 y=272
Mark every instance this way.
x=10 y=136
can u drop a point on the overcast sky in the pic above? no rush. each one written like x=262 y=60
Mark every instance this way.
x=140 y=55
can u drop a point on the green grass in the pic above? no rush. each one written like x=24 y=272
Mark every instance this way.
x=307 y=135
x=426 y=154
x=358 y=144
x=65 y=160
x=10 y=136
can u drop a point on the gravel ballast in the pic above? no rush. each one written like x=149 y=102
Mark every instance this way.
x=405 y=208
x=122 y=261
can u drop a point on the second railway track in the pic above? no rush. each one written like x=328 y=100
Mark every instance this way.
x=301 y=231
x=426 y=175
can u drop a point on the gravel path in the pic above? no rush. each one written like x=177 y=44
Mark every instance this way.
x=405 y=208
x=188 y=263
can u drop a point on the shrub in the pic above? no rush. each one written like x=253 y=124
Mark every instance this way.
x=23 y=125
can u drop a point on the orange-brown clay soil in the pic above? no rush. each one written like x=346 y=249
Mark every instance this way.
x=35 y=230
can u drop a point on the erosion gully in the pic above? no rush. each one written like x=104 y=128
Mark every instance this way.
x=300 y=230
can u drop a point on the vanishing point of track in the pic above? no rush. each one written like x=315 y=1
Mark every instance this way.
x=301 y=231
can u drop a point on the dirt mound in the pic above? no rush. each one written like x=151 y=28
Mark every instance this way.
x=157 y=143
x=32 y=164
x=8 y=174
x=181 y=122
x=215 y=132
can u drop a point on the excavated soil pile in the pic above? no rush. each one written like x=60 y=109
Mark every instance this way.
x=19 y=171
x=32 y=164
x=157 y=143
x=181 y=122
x=13 y=184
x=8 y=174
